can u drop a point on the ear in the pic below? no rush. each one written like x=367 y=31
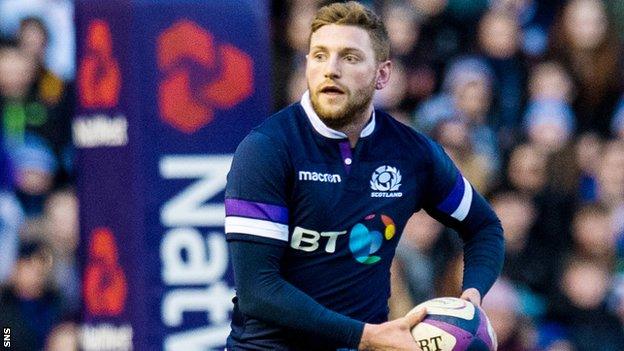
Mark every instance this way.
x=383 y=74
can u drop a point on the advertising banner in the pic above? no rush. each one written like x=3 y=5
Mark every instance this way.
x=166 y=91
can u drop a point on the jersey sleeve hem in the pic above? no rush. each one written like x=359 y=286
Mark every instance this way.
x=254 y=239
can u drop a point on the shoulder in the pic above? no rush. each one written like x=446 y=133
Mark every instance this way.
x=269 y=144
x=282 y=125
x=272 y=134
x=405 y=136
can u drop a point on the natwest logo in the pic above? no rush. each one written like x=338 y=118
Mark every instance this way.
x=105 y=286
x=187 y=53
x=99 y=76
x=100 y=130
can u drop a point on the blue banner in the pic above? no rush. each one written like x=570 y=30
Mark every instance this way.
x=166 y=91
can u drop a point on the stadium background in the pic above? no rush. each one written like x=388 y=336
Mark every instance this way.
x=525 y=95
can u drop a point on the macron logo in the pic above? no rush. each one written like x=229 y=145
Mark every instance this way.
x=319 y=177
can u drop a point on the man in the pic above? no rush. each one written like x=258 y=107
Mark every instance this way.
x=29 y=305
x=318 y=193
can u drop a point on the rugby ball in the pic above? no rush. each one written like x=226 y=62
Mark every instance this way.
x=454 y=324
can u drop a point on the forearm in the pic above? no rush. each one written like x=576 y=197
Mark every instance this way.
x=264 y=294
x=483 y=258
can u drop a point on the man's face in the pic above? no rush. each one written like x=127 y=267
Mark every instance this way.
x=341 y=72
x=32 y=40
x=17 y=72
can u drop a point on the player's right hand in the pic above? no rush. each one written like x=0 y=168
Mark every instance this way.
x=392 y=336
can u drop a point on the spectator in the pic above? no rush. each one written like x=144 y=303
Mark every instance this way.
x=550 y=81
x=453 y=135
x=469 y=80
x=581 y=306
x=22 y=113
x=526 y=170
x=527 y=173
x=550 y=124
x=404 y=25
x=28 y=303
x=48 y=89
x=499 y=42
x=593 y=234
x=466 y=97
x=527 y=265
x=35 y=166
x=584 y=40
x=58 y=16
x=535 y=18
x=17 y=74
x=61 y=230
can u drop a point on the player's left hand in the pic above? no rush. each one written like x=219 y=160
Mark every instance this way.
x=473 y=295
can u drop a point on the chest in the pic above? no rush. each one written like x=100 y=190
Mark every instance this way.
x=331 y=195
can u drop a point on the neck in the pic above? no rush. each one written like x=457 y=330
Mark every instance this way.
x=354 y=129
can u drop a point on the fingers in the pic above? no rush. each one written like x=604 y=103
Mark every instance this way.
x=473 y=295
x=414 y=318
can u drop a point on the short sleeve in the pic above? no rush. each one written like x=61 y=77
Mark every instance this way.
x=255 y=196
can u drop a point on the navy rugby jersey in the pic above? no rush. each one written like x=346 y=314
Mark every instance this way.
x=335 y=214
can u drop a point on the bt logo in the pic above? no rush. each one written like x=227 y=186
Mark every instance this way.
x=364 y=238
x=186 y=54
x=307 y=239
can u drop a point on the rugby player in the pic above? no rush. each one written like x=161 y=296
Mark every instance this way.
x=319 y=193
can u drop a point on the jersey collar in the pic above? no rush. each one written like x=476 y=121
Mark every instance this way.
x=324 y=130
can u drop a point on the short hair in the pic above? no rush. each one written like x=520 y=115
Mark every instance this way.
x=355 y=14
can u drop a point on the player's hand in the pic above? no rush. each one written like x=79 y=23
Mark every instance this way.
x=392 y=336
x=473 y=295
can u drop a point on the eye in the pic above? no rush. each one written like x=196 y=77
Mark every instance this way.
x=351 y=58
x=319 y=56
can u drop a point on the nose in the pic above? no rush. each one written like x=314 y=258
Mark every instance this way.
x=332 y=68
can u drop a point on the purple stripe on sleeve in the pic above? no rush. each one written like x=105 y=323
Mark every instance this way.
x=257 y=210
x=462 y=337
x=452 y=201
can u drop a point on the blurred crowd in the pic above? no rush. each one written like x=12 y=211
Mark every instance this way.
x=526 y=96
x=39 y=272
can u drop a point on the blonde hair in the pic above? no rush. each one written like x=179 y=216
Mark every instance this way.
x=355 y=14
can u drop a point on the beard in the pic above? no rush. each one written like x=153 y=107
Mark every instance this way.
x=356 y=103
